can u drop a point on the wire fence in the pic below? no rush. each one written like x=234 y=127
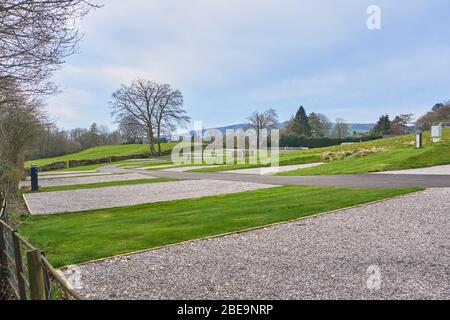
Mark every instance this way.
x=27 y=270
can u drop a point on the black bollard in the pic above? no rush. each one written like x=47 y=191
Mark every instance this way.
x=34 y=173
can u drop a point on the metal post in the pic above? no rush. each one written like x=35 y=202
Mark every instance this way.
x=419 y=139
x=34 y=173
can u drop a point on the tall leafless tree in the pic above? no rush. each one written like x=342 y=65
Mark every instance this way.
x=35 y=38
x=341 y=129
x=259 y=121
x=143 y=101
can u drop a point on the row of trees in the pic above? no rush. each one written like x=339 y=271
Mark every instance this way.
x=301 y=125
x=304 y=127
x=440 y=113
x=36 y=37
x=398 y=126
x=315 y=125
x=53 y=141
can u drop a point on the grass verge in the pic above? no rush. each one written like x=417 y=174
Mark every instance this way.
x=80 y=237
x=103 y=185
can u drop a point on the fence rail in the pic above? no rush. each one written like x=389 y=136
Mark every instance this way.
x=26 y=268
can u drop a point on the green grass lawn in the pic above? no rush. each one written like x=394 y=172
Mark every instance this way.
x=286 y=158
x=79 y=237
x=398 y=155
x=102 y=152
x=103 y=185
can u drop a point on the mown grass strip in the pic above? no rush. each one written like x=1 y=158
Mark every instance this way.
x=103 y=185
x=79 y=237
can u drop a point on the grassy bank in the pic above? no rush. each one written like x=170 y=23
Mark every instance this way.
x=102 y=152
x=79 y=237
x=400 y=153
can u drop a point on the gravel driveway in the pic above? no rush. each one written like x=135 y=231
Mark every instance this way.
x=109 y=197
x=326 y=257
x=440 y=170
x=274 y=170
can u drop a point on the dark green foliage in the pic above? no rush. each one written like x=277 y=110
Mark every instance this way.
x=383 y=125
x=293 y=140
x=300 y=124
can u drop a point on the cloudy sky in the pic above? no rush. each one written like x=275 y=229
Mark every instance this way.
x=231 y=57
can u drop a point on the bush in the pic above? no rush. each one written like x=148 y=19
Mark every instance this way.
x=293 y=140
x=9 y=178
x=349 y=154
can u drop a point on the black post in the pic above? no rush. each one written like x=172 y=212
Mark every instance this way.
x=34 y=173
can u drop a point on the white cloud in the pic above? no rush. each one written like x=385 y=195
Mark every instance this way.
x=66 y=112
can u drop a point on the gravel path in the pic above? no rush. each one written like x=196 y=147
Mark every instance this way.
x=431 y=170
x=73 y=175
x=64 y=173
x=184 y=169
x=274 y=170
x=109 y=197
x=162 y=166
x=57 y=182
x=326 y=257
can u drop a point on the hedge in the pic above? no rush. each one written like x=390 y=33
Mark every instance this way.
x=296 y=141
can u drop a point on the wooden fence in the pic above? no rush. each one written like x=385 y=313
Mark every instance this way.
x=26 y=268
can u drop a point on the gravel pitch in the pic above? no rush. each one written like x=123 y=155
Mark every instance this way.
x=441 y=170
x=187 y=168
x=57 y=182
x=326 y=257
x=274 y=170
x=109 y=197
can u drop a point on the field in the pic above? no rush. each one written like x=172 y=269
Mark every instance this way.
x=399 y=153
x=102 y=152
x=79 y=237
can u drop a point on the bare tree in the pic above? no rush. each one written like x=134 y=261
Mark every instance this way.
x=131 y=129
x=341 y=129
x=35 y=38
x=140 y=100
x=259 y=121
x=440 y=113
x=169 y=113
x=21 y=122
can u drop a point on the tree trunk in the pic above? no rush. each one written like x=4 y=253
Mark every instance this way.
x=159 y=140
x=151 y=142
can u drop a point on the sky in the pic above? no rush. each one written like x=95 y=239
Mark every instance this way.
x=232 y=57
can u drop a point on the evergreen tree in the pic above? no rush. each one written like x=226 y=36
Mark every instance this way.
x=383 y=125
x=300 y=123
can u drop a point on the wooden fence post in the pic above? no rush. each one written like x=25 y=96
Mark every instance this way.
x=3 y=258
x=19 y=267
x=36 y=273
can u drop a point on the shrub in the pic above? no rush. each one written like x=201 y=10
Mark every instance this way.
x=293 y=140
x=9 y=178
x=349 y=154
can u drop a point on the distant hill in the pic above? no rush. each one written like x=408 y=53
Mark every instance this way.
x=361 y=126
